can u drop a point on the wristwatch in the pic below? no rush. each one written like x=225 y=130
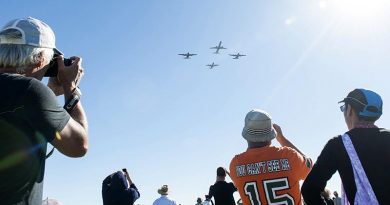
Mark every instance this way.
x=77 y=92
x=72 y=102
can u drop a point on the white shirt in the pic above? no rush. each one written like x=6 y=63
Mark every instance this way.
x=164 y=200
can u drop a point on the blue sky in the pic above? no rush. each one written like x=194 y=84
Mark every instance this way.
x=173 y=121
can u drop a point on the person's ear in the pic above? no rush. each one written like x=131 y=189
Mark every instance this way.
x=349 y=110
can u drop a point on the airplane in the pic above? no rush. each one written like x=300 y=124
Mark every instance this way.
x=218 y=47
x=236 y=56
x=187 y=55
x=212 y=65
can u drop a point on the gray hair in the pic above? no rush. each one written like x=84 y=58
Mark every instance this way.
x=22 y=56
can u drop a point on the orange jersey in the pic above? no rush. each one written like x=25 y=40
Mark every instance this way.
x=269 y=175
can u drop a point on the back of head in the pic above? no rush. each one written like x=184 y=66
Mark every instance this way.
x=221 y=172
x=24 y=41
x=258 y=127
x=114 y=189
x=366 y=103
x=335 y=194
x=118 y=181
x=164 y=190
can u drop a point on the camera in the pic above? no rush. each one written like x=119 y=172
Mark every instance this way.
x=52 y=71
x=124 y=170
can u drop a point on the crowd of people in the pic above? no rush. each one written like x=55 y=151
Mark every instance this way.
x=31 y=117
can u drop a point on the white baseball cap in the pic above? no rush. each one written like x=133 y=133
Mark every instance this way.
x=29 y=31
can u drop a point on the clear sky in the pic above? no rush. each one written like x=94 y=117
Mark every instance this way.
x=173 y=121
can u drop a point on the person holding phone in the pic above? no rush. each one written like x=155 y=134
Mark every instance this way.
x=119 y=189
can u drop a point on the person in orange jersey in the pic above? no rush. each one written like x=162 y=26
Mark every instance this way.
x=265 y=174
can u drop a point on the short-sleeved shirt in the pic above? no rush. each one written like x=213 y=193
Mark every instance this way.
x=269 y=175
x=222 y=193
x=30 y=116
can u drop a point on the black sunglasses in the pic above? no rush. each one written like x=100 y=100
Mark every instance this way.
x=343 y=108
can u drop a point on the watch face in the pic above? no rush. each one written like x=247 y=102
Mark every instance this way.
x=71 y=103
x=77 y=92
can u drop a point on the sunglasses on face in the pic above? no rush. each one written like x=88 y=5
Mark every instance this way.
x=343 y=108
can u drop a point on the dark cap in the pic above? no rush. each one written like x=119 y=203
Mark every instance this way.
x=367 y=102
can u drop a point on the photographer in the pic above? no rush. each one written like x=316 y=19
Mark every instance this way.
x=30 y=116
x=117 y=191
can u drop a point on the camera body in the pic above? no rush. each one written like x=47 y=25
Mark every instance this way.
x=52 y=71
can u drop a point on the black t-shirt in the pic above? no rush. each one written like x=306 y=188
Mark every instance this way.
x=222 y=193
x=30 y=116
x=372 y=146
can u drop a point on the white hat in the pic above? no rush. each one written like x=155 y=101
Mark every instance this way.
x=258 y=127
x=28 y=31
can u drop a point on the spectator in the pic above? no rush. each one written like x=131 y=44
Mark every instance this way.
x=199 y=201
x=336 y=198
x=361 y=155
x=263 y=168
x=221 y=190
x=30 y=116
x=207 y=200
x=326 y=196
x=164 y=199
x=117 y=191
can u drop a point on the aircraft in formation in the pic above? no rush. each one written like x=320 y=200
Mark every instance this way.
x=219 y=47
x=187 y=55
x=211 y=66
x=236 y=56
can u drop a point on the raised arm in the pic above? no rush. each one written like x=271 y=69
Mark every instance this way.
x=283 y=141
x=72 y=141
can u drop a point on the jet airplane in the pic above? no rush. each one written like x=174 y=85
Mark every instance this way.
x=219 y=47
x=187 y=55
x=236 y=56
x=212 y=65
